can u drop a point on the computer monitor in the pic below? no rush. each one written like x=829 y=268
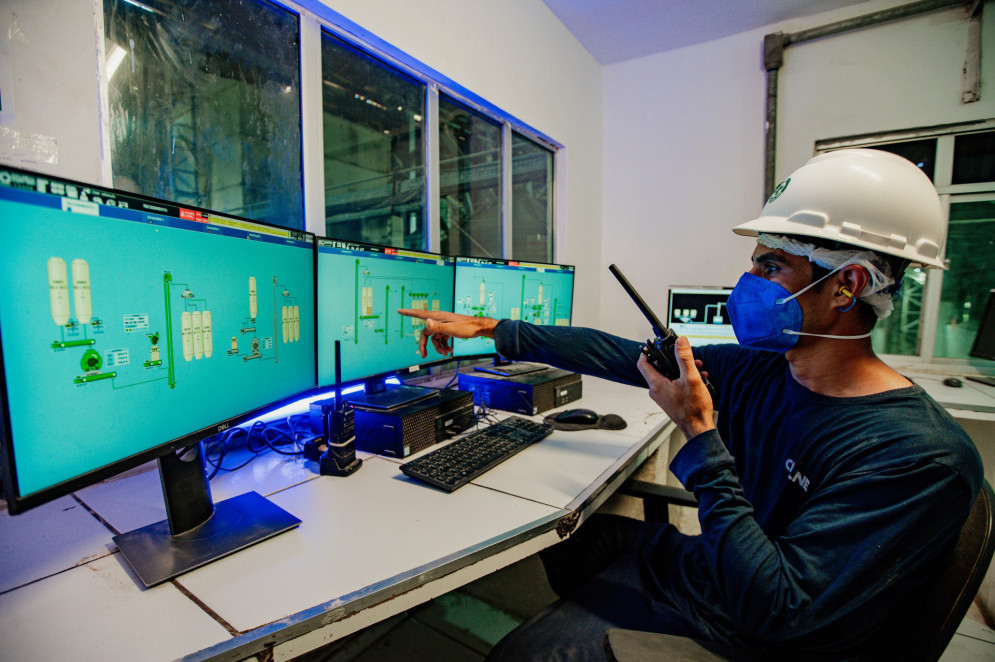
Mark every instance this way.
x=506 y=289
x=131 y=329
x=699 y=314
x=984 y=342
x=360 y=288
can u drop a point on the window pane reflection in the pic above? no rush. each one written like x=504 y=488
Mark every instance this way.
x=899 y=332
x=971 y=250
x=920 y=152
x=205 y=104
x=532 y=207
x=974 y=158
x=469 y=181
x=374 y=149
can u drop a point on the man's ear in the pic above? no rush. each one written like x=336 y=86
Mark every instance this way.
x=854 y=278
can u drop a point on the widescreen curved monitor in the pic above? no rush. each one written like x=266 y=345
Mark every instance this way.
x=132 y=327
x=360 y=288
x=533 y=292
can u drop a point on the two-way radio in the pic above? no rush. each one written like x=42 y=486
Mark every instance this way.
x=659 y=351
x=339 y=459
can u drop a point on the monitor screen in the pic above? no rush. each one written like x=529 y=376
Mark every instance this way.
x=360 y=288
x=699 y=314
x=132 y=326
x=506 y=289
x=984 y=342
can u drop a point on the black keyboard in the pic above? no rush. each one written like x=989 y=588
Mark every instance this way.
x=462 y=460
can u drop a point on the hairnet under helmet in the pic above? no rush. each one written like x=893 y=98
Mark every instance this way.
x=865 y=198
x=880 y=290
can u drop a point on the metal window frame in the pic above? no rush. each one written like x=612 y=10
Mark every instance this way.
x=949 y=194
x=315 y=13
x=313 y=18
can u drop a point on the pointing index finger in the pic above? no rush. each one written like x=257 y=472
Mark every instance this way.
x=438 y=315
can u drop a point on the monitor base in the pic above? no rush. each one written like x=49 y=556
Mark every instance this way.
x=157 y=556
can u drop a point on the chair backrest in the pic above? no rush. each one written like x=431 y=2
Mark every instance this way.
x=923 y=627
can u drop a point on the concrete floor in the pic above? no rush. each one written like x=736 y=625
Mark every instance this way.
x=462 y=626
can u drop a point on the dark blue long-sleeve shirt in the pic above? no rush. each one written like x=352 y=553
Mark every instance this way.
x=818 y=514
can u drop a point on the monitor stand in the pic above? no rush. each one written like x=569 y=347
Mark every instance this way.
x=379 y=395
x=510 y=368
x=197 y=530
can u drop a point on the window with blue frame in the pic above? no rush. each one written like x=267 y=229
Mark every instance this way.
x=470 y=186
x=205 y=109
x=373 y=119
x=205 y=104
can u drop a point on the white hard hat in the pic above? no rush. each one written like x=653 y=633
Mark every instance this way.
x=860 y=197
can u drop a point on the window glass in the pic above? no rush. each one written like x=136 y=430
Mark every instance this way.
x=205 y=104
x=920 y=152
x=974 y=158
x=971 y=251
x=374 y=149
x=899 y=332
x=469 y=181
x=531 y=200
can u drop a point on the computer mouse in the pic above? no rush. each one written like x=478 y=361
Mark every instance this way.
x=576 y=417
x=953 y=381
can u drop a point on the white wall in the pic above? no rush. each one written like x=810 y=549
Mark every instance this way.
x=898 y=75
x=682 y=161
x=684 y=136
x=50 y=96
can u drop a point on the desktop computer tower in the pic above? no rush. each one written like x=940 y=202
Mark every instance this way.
x=406 y=429
x=531 y=393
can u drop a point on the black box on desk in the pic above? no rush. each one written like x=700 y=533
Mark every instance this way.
x=407 y=429
x=531 y=393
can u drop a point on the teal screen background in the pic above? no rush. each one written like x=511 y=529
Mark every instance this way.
x=359 y=293
x=84 y=395
x=534 y=294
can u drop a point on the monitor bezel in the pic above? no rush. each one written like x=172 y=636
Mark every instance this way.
x=17 y=503
x=986 y=325
x=507 y=262
x=385 y=374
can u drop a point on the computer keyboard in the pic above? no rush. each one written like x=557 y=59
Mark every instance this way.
x=462 y=460
x=982 y=379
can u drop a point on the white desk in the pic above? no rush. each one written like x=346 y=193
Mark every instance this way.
x=972 y=400
x=370 y=546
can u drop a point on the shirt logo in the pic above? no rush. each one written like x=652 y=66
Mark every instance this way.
x=796 y=476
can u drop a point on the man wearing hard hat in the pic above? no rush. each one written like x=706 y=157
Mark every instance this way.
x=832 y=485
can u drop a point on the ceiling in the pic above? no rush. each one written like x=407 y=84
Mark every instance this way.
x=618 y=30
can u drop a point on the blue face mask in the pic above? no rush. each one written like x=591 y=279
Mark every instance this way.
x=764 y=315
x=760 y=311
